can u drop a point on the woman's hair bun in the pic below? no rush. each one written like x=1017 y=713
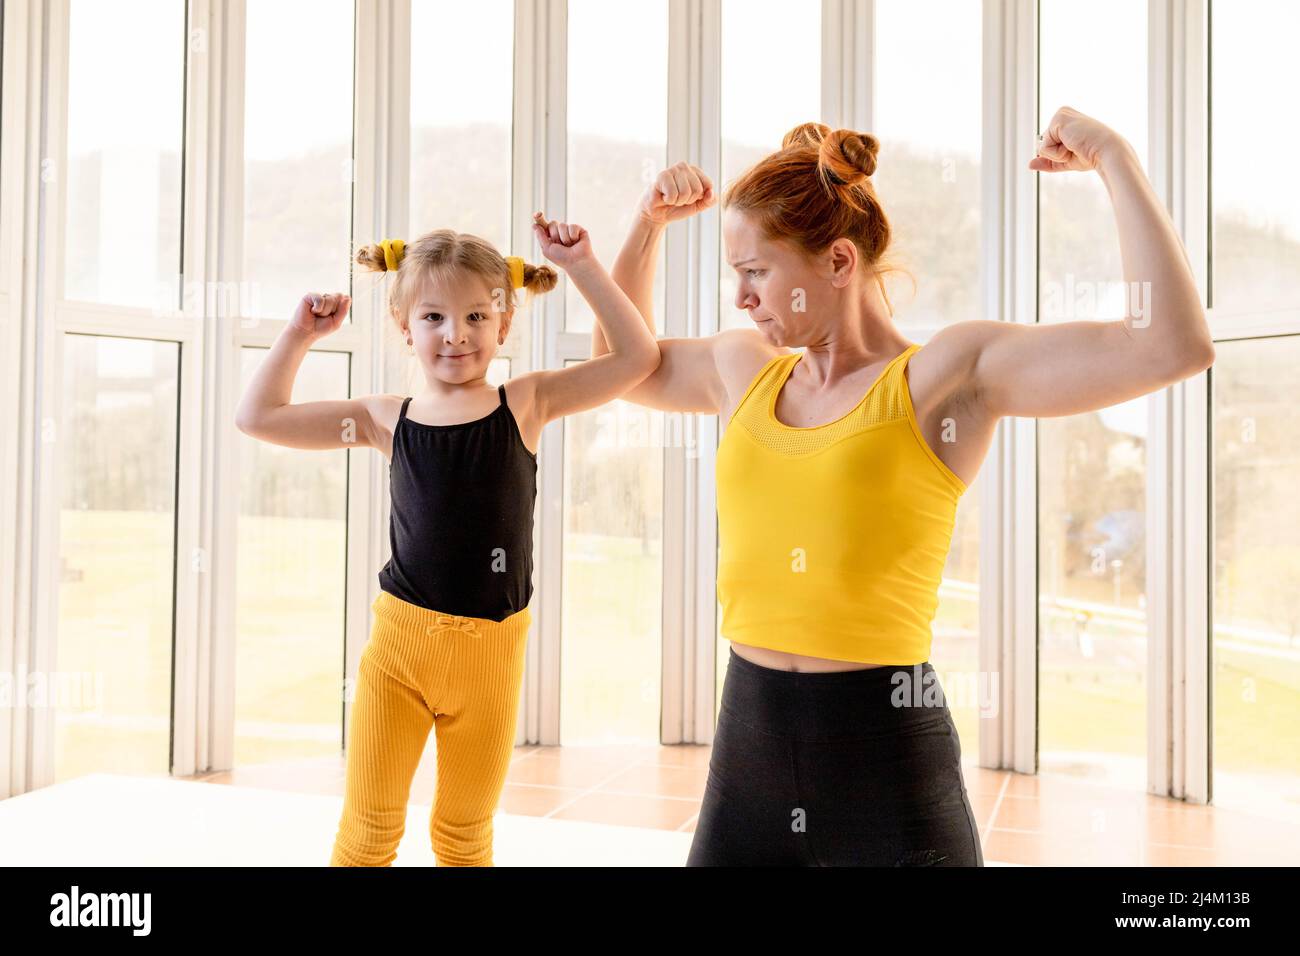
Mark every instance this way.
x=848 y=157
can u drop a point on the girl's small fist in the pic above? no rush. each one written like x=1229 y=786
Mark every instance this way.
x=320 y=314
x=564 y=243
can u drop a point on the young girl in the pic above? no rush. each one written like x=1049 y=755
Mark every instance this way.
x=452 y=616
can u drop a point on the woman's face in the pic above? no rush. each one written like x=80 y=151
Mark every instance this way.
x=455 y=326
x=786 y=294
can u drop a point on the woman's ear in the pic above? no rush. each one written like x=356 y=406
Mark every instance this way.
x=843 y=262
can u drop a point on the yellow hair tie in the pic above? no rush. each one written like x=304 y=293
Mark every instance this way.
x=393 y=251
x=516 y=271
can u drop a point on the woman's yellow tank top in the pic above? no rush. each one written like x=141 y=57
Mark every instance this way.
x=833 y=538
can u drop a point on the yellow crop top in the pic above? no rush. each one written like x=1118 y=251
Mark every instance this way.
x=833 y=538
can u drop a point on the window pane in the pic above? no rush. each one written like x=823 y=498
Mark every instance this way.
x=1255 y=204
x=612 y=605
x=117 y=554
x=125 y=108
x=928 y=107
x=771 y=82
x=292 y=548
x=1256 y=754
x=1081 y=274
x=297 y=161
x=460 y=145
x=1092 y=467
x=618 y=131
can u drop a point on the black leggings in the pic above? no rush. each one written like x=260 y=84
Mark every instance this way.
x=851 y=768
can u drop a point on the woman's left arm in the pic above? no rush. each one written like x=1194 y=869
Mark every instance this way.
x=1053 y=369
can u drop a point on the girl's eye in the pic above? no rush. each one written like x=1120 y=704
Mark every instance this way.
x=434 y=316
x=754 y=273
x=480 y=316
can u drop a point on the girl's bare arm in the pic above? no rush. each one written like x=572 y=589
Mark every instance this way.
x=564 y=391
x=265 y=411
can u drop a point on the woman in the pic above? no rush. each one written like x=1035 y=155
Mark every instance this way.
x=838 y=478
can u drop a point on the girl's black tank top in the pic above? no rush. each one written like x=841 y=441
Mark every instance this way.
x=461 y=530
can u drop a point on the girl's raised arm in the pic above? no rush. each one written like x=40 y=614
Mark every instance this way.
x=634 y=355
x=265 y=412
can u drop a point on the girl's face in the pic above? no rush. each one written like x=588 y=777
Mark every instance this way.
x=788 y=296
x=455 y=326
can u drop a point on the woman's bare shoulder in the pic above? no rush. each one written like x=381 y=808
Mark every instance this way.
x=739 y=355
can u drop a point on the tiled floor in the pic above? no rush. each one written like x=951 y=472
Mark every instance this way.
x=1023 y=819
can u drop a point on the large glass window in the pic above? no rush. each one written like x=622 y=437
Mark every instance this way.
x=117 y=556
x=1091 y=467
x=122 y=243
x=1255 y=207
x=613 y=455
x=291 y=582
x=617 y=131
x=1256 y=606
x=612 y=603
x=460 y=141
x=1255 y=261
x=928 y=116
x=771 y=82
x=297 y=161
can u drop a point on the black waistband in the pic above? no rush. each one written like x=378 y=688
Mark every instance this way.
x=859 y=703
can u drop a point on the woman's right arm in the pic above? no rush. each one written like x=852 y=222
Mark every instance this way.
x=687 y=379
x=265 y=411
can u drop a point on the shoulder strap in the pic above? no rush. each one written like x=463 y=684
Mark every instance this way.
x=501 y=390
x=759 y=377
x=404 y=404
x=894 y=390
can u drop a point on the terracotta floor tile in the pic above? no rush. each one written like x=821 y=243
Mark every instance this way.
x=660 y=781
x=1041 y=849
x=683 y=755
x=982 y=804
x=534 y=801
x=564 y=770
x=1158 y=854
x=983 y=780
x=632 y=811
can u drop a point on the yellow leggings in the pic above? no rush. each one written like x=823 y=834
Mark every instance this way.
x=422 y=668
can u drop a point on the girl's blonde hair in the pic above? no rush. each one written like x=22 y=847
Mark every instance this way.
x=446 y=251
